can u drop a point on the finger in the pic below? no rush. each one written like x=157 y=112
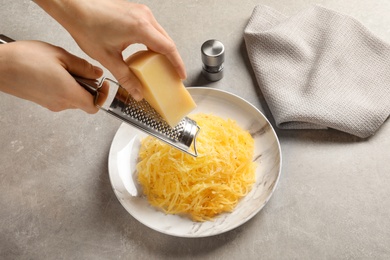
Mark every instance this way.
x=176 y=61
x=103 y=93
x=78 y=96
x=74 y=96
x=178 y=64
x=126 y=78
x=85 y=102
x=157 y=41
x=159 y=27
x=82 y=99
x=173 y=55
x=80 y=67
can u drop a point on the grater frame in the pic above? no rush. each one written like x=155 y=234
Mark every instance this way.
x=143 y=116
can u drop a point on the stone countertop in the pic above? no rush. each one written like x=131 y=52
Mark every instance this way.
x=56 y=200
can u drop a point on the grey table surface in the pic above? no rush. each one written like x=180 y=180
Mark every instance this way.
x=56 y=200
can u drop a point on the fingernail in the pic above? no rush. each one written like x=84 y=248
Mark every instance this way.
x=136 y=94
x=97 y=70
x=184 y=75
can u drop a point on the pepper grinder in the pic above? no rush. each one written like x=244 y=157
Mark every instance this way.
x=213 y=56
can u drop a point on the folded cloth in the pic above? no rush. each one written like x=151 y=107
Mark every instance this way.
x=320 y=69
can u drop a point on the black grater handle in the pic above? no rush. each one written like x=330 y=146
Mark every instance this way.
x=5 y=39
x=90 y=85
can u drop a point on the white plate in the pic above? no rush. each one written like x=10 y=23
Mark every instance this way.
x=123 y=156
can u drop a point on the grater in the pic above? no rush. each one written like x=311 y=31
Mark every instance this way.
x=139 y=114
x=143 y=116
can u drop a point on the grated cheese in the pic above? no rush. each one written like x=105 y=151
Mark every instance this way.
x=205 y=186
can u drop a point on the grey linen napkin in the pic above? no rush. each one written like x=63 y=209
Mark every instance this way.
x=320 y=69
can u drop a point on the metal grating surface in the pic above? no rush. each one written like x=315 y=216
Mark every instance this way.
x=143 y=112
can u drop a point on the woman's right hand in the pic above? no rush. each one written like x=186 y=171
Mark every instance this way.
x=105 y=28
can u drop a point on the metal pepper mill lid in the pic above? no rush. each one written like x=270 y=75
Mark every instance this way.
x=213 y=57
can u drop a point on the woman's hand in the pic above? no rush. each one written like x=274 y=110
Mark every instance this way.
x=41 y=73
x=105 y=28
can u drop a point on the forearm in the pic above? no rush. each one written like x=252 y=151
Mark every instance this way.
x=65 y=12
x=6 y=68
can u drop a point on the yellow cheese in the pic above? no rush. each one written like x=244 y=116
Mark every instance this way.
x=163 y=88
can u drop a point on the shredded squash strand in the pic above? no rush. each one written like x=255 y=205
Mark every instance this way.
x=205 y=186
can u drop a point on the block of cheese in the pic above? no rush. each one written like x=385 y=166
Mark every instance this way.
x=163 y=88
